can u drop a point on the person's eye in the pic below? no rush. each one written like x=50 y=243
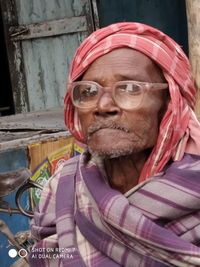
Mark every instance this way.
x=130 y=88
x=88 y=92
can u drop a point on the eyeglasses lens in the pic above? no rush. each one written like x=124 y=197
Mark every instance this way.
x=126 y=95
x=85 y=95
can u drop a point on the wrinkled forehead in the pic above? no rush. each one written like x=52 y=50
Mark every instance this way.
x=90 y=52
x=126 y=63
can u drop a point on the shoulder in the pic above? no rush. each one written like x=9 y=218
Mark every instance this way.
x=189 y=162
x=50 y=188
x=67 y=168
x=187 y=169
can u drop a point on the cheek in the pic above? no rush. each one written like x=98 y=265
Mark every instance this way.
x=146 y=128
x=153 y=109
x=85 y=119
x=144 y=123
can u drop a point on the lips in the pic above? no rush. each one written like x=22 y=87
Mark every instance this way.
x=106 y=125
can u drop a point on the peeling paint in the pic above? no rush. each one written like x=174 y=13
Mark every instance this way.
x=39 y=65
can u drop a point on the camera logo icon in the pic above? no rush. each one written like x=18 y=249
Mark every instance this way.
x=22 y=253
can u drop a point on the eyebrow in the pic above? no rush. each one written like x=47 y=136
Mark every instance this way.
x=127 y=77
x=121 y=77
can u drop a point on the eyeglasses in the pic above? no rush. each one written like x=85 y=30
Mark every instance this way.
x=126 y=94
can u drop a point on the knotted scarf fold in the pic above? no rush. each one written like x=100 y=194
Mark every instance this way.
x=157 y=223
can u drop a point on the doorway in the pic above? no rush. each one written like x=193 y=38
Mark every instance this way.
x=167 y=15
x=6 y=98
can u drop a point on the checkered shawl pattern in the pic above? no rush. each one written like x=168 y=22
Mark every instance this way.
x=176 y=128
x=156 y=224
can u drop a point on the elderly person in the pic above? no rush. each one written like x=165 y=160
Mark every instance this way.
x=133 y=197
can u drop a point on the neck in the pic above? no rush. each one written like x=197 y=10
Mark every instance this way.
x=123 y=172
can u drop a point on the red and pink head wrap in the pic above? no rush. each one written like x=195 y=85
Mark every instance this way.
x=179 y=129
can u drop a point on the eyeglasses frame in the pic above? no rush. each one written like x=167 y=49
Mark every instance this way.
x=146 y=87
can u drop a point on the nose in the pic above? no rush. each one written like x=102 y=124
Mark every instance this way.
x=106 y=105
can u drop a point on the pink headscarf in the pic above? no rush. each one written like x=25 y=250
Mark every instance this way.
x=179 y=129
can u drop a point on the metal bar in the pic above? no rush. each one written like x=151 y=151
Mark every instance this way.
x=95 y=14
x=48 y=28
x=10 y=211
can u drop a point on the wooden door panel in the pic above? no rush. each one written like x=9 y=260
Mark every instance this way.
x=41 y=38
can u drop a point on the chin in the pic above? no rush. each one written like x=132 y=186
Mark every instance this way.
x=111 y=153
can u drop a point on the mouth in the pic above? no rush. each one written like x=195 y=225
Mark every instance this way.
x=107 y=126
x=111 y=139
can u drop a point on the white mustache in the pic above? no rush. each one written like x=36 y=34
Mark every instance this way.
x=106 y=125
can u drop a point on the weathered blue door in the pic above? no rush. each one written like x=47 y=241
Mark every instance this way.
x=41 y=38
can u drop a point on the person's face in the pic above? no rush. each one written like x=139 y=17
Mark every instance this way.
x=110 y=131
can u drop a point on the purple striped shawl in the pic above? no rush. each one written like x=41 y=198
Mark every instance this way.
x=157 y=223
